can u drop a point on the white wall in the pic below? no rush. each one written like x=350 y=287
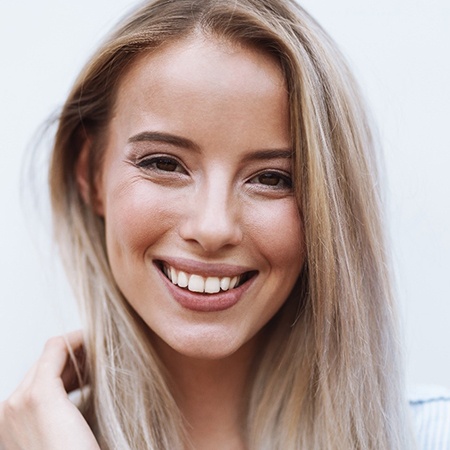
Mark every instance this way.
x=400 y=51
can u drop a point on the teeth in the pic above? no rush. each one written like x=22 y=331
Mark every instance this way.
x=225 y=283
x=212 y=285
x=233 y=282
x=183 y=280
x=197 y=283
x=173 y=276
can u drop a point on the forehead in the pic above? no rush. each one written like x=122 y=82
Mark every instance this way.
x=208 y=63
x=206 y=88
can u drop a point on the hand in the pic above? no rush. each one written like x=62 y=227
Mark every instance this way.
x=39 y=414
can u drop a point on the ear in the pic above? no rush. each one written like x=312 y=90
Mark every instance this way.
x=90 y=190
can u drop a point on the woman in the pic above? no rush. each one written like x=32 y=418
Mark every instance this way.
x=214 y=190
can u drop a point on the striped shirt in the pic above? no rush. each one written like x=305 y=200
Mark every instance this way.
x=431 y=417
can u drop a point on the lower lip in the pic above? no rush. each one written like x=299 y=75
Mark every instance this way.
x=206 y=302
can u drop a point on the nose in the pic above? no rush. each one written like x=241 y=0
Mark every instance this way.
x=212 y=219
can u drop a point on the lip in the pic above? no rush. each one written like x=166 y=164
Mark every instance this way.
x=205 y=302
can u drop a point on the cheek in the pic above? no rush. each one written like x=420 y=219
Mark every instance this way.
x=278 y=229
x=136 y=215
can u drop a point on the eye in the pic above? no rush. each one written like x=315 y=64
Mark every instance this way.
x=274 y=180
x=161 y=164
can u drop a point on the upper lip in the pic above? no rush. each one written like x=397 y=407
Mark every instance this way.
x=205 y=269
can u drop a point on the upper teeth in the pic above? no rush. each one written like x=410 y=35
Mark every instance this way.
x=197 y=283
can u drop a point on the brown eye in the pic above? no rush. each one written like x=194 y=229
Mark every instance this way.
x=273 y=180
x=166 y=164
x=269 y=179
x=160 y=163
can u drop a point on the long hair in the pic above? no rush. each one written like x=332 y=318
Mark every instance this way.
x=329 y=376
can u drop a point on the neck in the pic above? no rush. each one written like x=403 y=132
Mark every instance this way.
x=212 y=395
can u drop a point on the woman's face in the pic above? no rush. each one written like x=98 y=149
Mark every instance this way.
x=203 y=232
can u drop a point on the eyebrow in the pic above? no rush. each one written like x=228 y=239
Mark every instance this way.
x=167 y=138
x=258 y=155
x=179 y=141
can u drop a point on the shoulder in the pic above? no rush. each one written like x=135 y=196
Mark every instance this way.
x=430 y=409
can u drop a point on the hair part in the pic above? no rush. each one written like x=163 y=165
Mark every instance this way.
x=330 y=376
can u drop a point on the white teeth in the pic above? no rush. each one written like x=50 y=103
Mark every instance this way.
x=225 y=283
x=173 y=276
x=182 y=279
x=197 y=283
x=212 y=285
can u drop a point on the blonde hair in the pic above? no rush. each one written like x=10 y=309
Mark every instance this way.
x=329 y=376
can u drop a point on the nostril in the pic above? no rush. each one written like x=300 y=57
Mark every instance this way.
x=212 y=219
x=212 y=235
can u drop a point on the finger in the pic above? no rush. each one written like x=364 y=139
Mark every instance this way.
x=28 y=379
x=73 y=375
x=73 y=372
x=73 y=340
x=55 y=355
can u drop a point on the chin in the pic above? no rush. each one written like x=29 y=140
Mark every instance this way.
x=206 y=344
x=207 y=352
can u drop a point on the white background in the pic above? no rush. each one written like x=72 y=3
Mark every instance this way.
x=399 y=50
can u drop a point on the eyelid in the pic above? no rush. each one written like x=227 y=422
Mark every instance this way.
x=139 y=160
x=286 y=177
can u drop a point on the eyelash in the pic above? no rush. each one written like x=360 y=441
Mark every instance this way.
x=284 y=181
x=151 y=163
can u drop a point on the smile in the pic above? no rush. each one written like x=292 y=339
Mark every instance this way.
x=204 y=285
